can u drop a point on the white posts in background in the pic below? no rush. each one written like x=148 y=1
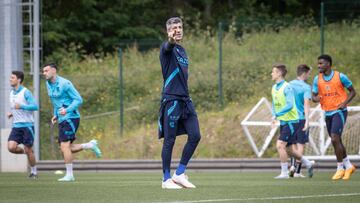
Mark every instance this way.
x=320 y=147
x=11 y=53
x=36 y=76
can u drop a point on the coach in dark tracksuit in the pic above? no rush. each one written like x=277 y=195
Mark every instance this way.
x=177 y=113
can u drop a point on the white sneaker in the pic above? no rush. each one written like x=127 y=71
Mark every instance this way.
x=310 y=169
x=299 y=175
x=182 y=180
x=169 y=184
x=67 y=178
x=282 y=176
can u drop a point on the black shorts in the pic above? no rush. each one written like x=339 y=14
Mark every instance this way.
x=23 y=135
x=67 y=130
x=287 y=133
x=336 y=122
x=302 y=137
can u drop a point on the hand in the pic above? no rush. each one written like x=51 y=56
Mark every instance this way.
x=9 y=115
x=17 y=106
x=306 y=126
x=316 y=98
x=342 y=105
x=53 y=120
x=171 y=36
x=62 y=111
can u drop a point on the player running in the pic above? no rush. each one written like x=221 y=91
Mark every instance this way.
x=22 y=105
x=329 y=88
x=302 y=94
x=284 y=110
x=66 y=101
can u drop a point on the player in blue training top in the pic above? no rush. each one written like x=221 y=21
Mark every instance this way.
x=302 y=94
x=22 y=105
x=66 y=101
x=284 y=110
x=329 y=88
x=177 y=113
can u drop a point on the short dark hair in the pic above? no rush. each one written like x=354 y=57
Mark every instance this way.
x=281 y=68
x=18 y=74
x=326 y=58
x=52 y=65
x=302 y=68
x=173 y=20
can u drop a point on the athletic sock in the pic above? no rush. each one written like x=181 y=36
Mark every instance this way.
x=340 y=166
x=347 y=162
x=298 y=167
x=166 y=175
x=69 y=170
x=88 y=145
x=33 y=170
x=306 y=161
x=284 y=168
x=292 y=161
x=181 y=169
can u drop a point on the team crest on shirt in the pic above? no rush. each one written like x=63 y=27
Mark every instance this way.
x=327 y=87
x=183 y=61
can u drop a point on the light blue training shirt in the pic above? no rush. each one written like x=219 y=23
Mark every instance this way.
x=302 y=91
x=62 y=93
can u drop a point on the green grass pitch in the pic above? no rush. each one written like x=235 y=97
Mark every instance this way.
x=146 y=187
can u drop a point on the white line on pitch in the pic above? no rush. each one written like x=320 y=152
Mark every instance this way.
x=267 y=198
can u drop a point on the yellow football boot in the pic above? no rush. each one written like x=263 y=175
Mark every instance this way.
x=338 y=175
x=348 y=172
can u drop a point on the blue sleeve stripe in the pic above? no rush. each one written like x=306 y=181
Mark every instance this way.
x=172 y=75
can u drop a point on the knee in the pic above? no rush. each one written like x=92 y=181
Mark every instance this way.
x=195 y=138
x=12 y=148
x=335 y=139
x=28 y=150
x=280 y=147
x=169 y=141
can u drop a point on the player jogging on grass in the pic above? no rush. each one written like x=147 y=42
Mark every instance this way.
x=284 y=110
x=177 y=113
x=302 y=94
x=329 y=88
x=66 y=101
x=22 y=105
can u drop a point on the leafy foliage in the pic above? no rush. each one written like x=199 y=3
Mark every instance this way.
x=247 y=65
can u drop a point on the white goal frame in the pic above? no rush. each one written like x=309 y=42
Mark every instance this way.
x=319 y=149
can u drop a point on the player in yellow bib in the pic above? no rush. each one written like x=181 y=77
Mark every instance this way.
x=285 y=111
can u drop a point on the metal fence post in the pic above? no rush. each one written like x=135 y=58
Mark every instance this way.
x=220 y=90
x=322 y=28
x=121 y=90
